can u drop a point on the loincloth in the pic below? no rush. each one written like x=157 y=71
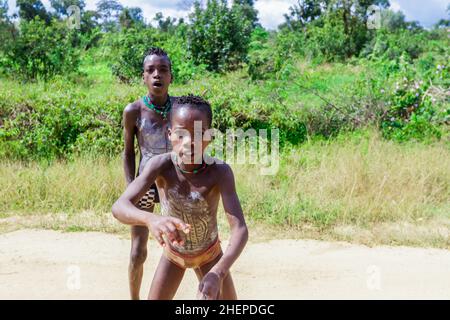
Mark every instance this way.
x=193 y=261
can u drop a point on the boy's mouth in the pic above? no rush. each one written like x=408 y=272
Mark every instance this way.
x=157 y=84
x=189 y=157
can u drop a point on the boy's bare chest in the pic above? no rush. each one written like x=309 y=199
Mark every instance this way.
x=152 y=133
x=193 y=193
x=196 y=206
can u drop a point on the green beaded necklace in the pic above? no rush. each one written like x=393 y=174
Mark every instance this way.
x=164 y=111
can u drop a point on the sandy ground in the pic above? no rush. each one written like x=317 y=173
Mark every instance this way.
x=38 y=264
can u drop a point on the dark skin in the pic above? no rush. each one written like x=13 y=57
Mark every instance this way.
x=157 y=77
x=215 y=182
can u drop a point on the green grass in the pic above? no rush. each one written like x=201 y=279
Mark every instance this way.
x=354 y=186
x=357 y=187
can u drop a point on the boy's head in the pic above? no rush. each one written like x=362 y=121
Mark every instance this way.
x=189 y=118
x=157 y=73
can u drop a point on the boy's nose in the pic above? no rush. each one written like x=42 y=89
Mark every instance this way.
x=187 y=141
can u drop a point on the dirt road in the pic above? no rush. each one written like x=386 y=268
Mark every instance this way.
x=39 y=264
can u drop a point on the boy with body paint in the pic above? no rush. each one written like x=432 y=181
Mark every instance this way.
x=190 y=190
x=146 y=121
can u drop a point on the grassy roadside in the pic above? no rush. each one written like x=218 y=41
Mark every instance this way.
x=357 y=187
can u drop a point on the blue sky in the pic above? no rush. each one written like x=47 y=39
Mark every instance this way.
x=427 y=12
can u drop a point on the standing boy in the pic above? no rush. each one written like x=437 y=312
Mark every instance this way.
x=190 y=190
x=146 y=120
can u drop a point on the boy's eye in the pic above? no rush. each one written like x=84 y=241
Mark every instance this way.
x=179 y=135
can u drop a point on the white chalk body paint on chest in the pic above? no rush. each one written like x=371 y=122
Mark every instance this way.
x=153 y=140
x=193 y=209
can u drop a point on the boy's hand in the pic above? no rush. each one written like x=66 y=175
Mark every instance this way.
x=209 y=287
x=168 y=226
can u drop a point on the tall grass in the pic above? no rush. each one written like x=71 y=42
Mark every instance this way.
x=82 y=184
x=357 y=180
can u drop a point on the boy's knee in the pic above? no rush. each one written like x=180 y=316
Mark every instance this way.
x=138 y=256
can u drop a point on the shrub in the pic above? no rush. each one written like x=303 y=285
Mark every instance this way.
x=42 y=51
x=218 y=36
x=413 y=113
x=130 y=45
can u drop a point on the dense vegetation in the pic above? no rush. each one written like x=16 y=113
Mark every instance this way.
x=363 y=113
x=324 y=71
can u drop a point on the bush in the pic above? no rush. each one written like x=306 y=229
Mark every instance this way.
x=218 y=36
x=261 y=58
x=130 y=45
x=392 y=45
x=413 y=113
x=42 y=51
x=56 y=120
x=416 y=103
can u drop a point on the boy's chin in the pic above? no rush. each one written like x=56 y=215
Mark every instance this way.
x=157 y=91
x=188 y=159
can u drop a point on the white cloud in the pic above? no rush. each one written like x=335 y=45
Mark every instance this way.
x=271 y=12
x=395 y=6
x=426 y=12
x=150 y=8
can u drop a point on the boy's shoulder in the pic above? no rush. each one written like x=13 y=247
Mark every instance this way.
x=159 y=163
x=163 y=160
x=221 y=168
x=133 y=108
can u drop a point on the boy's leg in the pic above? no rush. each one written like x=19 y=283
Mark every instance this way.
x=228 y=292
x=139 y=238
x=166 y=280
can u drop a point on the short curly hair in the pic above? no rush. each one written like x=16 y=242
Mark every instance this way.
x=194 y=102
x=157 y=51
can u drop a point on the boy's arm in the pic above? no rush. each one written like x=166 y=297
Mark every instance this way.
x=125 y=211
x=129 y=155
x=238 y=237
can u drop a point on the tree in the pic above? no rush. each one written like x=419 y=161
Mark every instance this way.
x=4 y=10
x=29 y=9
x=302 y=13
x=248 y=11
x=338 y=27
x=109 y=11
x=244 y=20
x=42 y=51
x=393 y=21
x=89 y=21
x=219 y=36
x=61 y=6
x=164 y=24
x=131 y=17
x=136 y=14
x=307 y=11
x=7 y=30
